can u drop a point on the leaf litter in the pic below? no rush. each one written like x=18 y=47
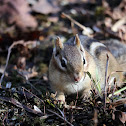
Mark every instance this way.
x=25 y=94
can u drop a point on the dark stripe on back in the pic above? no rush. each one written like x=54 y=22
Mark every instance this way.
x=99 y=50
x=87 y=41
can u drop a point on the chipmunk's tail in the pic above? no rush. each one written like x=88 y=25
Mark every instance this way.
x=118 y=49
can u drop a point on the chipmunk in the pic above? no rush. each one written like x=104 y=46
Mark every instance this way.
x=72 y=60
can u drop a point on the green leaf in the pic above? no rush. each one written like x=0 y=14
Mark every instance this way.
x=118 y=91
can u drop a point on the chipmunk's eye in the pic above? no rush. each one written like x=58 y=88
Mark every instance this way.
x=63 y=62
x=83 y=61
x=81 y=49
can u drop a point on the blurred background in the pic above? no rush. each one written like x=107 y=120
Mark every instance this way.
x=38 y=23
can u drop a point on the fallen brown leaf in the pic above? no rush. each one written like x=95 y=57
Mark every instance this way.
x=20 y=105
x=119 y=117
x=17 y=11
x=46 y=7
x=119 y=102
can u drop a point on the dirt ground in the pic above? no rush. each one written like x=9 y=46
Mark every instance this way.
x=28 y=30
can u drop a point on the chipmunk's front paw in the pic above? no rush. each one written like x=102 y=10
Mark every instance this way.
x=60 y=98
x=86 y=94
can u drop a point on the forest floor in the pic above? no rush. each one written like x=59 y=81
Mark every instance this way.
x=28 y=30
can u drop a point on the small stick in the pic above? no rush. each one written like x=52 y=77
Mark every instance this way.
x=60 y=117
x=105 y=87
x=35 y=96
x=119 y=102
x=8 y=55
x=95 y=119
x=75 y=22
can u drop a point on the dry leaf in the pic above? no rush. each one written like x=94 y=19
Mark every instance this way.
x=17 y=11
x=119 y=117
x=37 y=109
x=46 y=7
x=118 y=24
x=20 y=105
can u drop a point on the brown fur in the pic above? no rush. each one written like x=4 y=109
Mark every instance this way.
x=62 y=80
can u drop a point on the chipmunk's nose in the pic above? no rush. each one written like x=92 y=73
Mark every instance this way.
x=77 y=77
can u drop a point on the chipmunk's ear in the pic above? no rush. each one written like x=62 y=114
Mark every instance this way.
x=58 y=47
x=59 y=44
x=77 y=40
x=78 y=43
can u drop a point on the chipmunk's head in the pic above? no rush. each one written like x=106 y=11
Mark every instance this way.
x=71 y=59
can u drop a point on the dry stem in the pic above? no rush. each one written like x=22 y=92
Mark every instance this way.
x=8 y=55
x=105 y=87
x=75 y=22
x=60 y=117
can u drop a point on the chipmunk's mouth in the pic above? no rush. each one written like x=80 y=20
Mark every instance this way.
x=79 y=79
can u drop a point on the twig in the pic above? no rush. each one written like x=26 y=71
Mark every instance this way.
x=8 y=55
x=105 y=87
x=118 y=24
x=24 y=95
x=28 y=82
x=75 y=22
x=20 y=105
x=36 y=97
x=60 y=117
x=119 y=102
x=5 y=117
x=95 y=119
